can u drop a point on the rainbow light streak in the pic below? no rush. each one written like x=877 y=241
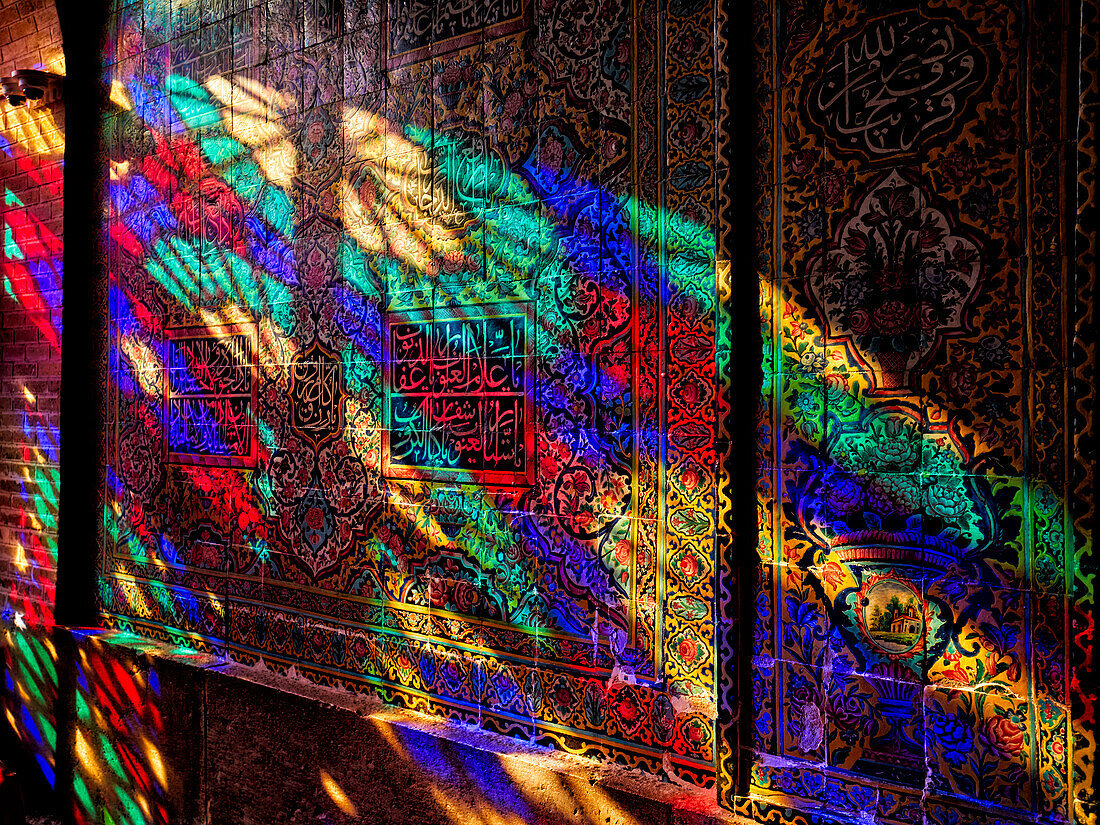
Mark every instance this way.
x=419 y=213
x=181 y=272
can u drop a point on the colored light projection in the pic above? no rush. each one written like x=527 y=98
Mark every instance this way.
x=458 y=397
x=32 y=145
x=923 y=643
x=32 y=148
x=471 y=336
x=118 y=775
x=118 y=772
x=372 y=218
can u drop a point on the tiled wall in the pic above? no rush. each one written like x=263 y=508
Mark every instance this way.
x=419 y=347
x=32 y=147
x=414 y=376
x=923 y=649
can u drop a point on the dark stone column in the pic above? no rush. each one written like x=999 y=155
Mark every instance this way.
x=84 y=313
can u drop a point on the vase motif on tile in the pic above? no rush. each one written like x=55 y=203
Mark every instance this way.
x=897 y=277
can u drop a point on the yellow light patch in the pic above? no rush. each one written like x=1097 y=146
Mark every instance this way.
x=157 y=764
x=120 y=97
x=336 y=793
x=86 y=756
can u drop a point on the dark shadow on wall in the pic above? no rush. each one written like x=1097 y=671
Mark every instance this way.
x=84 y=315
x=739 y=113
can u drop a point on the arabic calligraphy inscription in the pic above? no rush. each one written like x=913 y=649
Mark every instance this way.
x=211 y=395
x=458 y=395
x=316 y=393
x=900 y=80
x=414 y=24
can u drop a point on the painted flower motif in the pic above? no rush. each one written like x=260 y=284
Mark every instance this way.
x=1001 y=736
x=452 y=673
x=853 y=715
x=844 y=495
x=830 y=188
x=804 y=692
x=953 y=736
x=552 y=154
x=562 y=696
x=689 y=565
x=801 y=161
x=811 y=361
x=800 y=328
x=980 y=202
x=807 y=403
x=836 y=389
x=960 y=380
x=833 y=574
x=959 y=166
x=1001 y=129
x=359 y=649
x=933 y=275
x=859 y=321
x=315 y=518
x=890 y=445
x=464 y=596
x=1057 y=747
x=992 y=351
x=594 y=703
x=627 y=709
x=811 y=223
x=894 y=317
x=855 y=291
x=994 y=407
x=688 y=650
x=687 y=44
x=1054 y=536
x=896 y=278
x=691 y=391
x=622 y=551
x=687 y=131
x=894 y=493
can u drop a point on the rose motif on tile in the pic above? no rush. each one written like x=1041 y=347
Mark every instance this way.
x=898 y=278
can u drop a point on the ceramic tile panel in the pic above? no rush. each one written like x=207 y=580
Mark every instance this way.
x=913 y=225
x=419 y=385
x=428 y=370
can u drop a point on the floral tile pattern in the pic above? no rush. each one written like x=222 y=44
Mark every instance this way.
x=932 y=525
x=417 y=315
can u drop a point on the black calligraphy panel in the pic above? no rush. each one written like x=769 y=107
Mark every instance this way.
x=448 y=24
x=898 y=81
x=211 y=396
x=458 y=399
x=317 y=394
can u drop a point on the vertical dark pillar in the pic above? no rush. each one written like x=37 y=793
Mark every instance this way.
x=83 y=342
x=741 y=121
x=737 y=567
x=83 y=353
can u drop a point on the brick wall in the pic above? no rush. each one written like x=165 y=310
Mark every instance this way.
x=30 y=36
x=31 y=157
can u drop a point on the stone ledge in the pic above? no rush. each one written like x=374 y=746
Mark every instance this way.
x=276 y=748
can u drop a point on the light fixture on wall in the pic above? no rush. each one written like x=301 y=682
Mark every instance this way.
x=32 y=87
